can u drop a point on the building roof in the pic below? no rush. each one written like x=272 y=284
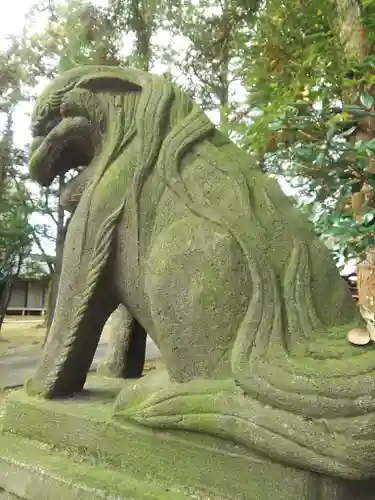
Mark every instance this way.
x=36 y=266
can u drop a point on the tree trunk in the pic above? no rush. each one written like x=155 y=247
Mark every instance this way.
x=7 y=290
x=353 y=36
x=143 y=31
x=5 y=148
x=224 y=73
x=2 y=177
x=6 y=294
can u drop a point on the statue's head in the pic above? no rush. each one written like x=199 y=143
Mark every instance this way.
x=71 y=119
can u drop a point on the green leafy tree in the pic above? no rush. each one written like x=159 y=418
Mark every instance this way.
x=309 y=75
x=215 y=33
x=15 y=239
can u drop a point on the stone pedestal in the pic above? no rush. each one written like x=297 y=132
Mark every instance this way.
x=72 y=449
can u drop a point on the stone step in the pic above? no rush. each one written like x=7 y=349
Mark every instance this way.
x=30 y=470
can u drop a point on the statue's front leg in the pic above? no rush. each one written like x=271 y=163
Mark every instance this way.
x=70 y=348
x=127 y=346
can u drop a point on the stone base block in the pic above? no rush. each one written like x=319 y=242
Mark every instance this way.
x=72 y=450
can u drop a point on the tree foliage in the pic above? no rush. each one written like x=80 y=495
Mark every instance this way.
x=309 y=77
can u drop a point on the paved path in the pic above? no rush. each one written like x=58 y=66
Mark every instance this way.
x=15 y=368
x=23 y=321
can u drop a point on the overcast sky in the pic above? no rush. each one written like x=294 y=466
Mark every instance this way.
x=12 y=21
x=11 y=18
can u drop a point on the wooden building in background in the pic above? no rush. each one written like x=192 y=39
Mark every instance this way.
x=28 y=296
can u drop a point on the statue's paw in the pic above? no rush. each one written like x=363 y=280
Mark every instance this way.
x=165 y=404
x=136 y=391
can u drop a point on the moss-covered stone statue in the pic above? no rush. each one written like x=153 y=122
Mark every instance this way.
x=216 y=264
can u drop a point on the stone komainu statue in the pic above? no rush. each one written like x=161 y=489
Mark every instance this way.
x=208 y=255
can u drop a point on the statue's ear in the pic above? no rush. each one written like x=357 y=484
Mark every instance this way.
x=102 y=82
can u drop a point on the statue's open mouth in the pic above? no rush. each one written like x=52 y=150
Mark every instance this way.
x=69 y=144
